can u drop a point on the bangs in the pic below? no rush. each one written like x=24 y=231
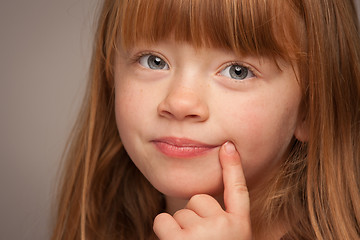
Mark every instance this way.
x=244 y=26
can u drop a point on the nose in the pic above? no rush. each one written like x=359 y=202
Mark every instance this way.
x=183 y=104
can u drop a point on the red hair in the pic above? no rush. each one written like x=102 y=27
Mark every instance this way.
x=317 y=189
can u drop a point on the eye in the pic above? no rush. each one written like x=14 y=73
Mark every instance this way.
x=238 y=72
x=153 y=62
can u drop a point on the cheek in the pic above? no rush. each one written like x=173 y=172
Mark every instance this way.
x=131 y=106
x=271 y=123
x=262 y=133
x=124 y=111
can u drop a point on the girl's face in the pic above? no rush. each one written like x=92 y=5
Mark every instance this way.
x=176 y=105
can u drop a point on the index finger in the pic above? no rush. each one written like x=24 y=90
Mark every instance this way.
x=236 y=195
x=166 y=227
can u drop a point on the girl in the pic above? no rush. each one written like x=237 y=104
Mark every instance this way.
x=239 y=118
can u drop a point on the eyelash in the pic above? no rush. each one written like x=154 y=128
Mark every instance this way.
x=251 y=69
x=136 y=59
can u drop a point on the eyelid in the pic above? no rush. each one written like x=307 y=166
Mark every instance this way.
x=248 y=66
x=136 y=57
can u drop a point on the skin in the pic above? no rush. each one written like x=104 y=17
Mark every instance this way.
x=194 y=97
x=203 y=212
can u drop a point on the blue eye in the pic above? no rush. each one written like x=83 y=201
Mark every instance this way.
x=237 y=72
x=153 y=62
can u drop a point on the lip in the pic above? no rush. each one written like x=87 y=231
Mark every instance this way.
x=182 y=147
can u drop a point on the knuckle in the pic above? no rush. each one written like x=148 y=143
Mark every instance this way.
x=181 y=214
x=160 y=218
x=222 y=220
x=199 y=197
x=178 y=213
x=197 y=200
x=240 y=188
x=199 y=229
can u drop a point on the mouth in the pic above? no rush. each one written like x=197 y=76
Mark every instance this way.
x=182 y=147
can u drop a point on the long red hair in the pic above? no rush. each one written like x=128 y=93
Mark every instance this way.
x=317 y=189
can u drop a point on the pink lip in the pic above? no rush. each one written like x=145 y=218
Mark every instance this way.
x=182 y=147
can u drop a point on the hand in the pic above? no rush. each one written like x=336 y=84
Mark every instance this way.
x=203 y=218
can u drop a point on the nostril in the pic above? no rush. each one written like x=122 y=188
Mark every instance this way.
x=182 y=105
x=192 y=116
x=165 y=113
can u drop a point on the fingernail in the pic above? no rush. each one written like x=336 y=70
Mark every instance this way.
x=229 y=148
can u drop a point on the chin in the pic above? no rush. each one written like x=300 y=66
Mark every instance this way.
x=185 y=188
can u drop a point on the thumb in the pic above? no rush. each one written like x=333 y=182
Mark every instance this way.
x=236 y=195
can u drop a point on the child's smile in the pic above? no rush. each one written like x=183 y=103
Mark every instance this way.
x=217 y=119
x=181 y=147
x=175 y=105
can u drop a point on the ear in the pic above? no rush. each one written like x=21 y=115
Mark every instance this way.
x=302 y=131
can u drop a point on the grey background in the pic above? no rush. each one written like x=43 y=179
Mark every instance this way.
x=45 y=48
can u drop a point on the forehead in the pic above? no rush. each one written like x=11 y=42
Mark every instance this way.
x=232 y=25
